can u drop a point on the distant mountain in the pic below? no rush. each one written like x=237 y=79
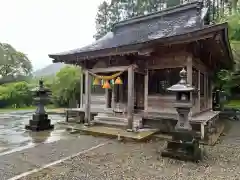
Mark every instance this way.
x=49 y=70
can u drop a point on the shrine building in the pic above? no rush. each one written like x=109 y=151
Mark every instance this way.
x=131 y=67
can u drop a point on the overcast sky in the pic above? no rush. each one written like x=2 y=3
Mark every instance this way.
x=41 y=27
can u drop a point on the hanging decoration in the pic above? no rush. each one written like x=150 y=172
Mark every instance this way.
x=104 y=80
x=106 y=85
x=118 y=81
x=96 y=82
x=108 y=77
x=112 y=81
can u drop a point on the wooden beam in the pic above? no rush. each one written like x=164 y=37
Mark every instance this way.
x=109 y=69
x=156 y=67
x=198 y=64
x=115 y=69
x=189 y=39
x=140 y=71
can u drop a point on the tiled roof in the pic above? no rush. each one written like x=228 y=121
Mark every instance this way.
x=162 y=24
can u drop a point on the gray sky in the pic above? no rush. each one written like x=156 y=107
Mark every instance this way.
x=41 y=27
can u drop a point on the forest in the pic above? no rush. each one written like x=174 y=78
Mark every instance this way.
x=16 y=80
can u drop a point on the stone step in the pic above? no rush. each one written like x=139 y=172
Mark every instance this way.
x=107 y=123
x=114 y=121
x=110 y=118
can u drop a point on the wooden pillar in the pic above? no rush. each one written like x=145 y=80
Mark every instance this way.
x=189 y=69
x=199 y=94
x=146 y=91
x=189 y=77
x=130 y=104
x=81 y=89
x=106 y=98
x=87 y=118
x=121 y=93
x=189 y=74
x=205 y=91
x=113 y=97
x=210 y=95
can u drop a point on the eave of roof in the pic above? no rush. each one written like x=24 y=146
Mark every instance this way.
x=133 y=48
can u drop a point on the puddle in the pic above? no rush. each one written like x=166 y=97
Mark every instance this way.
x=14 y=137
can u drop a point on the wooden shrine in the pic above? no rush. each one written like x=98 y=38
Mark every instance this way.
x=141 y=57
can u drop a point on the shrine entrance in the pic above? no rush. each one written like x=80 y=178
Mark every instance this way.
x=117 y=95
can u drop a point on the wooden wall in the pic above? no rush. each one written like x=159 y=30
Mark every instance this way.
x=157 y=102
x=164 y=102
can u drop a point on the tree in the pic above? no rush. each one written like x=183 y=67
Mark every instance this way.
x=234 y=5
x=16 y=94
x=66 y=85
x=228 y=79
x=171 y=3
x=102 y=20
x=13 y=64
x=118 y=10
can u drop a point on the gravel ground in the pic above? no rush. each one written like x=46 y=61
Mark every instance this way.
x=135 y=161
x=19 y=162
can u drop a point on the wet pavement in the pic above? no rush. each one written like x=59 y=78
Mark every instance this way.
x=142 y=161
x=20 y=162
x=114 y=160
x=13 y=135
x=22 y=150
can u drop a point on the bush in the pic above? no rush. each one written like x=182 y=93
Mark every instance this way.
x=15 y=94
x=66 y=85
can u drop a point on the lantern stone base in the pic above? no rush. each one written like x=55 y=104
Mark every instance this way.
x=183 y=146
x=39 y=122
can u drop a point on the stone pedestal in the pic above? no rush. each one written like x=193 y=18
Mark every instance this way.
x=39 y=122
x=183 y=146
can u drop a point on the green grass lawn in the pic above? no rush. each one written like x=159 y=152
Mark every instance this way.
x=233 y=104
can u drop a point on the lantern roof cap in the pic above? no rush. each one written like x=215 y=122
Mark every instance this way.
x=40 y=87
x=182 y=85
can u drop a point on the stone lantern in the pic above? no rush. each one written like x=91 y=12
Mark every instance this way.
x=40 y=121
x=183 y=145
